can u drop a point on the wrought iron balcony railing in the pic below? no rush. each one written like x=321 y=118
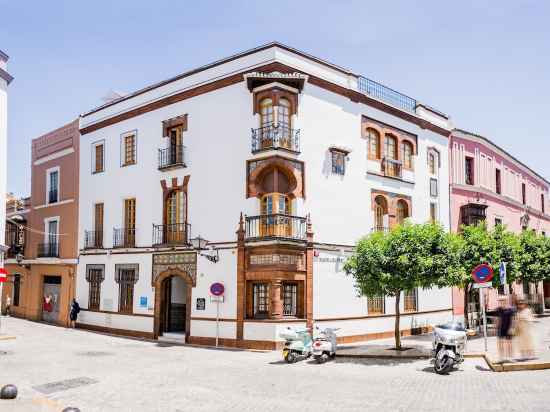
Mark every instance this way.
x=275 y=226
x=173 y=234
x=93 y=239
x=271 y=137
x=381 y=92
x=124 y=237
x=383 y=229
x=49 y=249
x=392 y=168
x=52 y=196
x=172 y=157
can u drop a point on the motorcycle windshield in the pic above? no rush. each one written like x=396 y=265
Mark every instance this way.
x=452 y=326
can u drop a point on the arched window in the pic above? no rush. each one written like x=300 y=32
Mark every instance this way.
x=380 y=210
x=390 y=147
x=432 y=163
x=283 y=123
x=266 y=112
x=402 y=211
x=373 y=141
x=275 y=208
x=407 y=151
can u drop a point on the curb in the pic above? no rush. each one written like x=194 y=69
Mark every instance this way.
x=6 y=337
x=509 y=367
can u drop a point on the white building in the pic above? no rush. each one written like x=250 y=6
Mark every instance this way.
x=179 y=157
x=5 y=80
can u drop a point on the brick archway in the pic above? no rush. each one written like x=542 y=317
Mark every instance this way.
x=159 y=285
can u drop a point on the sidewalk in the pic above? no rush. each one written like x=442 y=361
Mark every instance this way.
x=420 y=348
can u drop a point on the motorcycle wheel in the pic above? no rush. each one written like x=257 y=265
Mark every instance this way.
x=444 y=366
x=323 y=358
x=290 y=357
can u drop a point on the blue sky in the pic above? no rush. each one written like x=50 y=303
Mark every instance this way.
x=486 y=63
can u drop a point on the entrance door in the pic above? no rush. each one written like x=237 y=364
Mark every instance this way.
x=174 y=305
x=50 y=298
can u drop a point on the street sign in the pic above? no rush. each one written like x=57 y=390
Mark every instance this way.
x=482 y=285
x=201 y=303
x=3 y=275
x=482 y=273
x=217 y=289
x=502 y=270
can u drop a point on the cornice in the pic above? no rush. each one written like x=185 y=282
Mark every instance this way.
x=6 y=76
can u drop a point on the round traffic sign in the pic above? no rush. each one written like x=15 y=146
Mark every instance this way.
x=217 y=289
x=3 y=275
x=482 y=273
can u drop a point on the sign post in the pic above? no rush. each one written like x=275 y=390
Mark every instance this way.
x=217 y=290
x=482 y=275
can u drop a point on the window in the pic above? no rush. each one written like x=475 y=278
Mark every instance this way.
x=469 y=170
x=380 y=211
x=98 y=157
x=375 y=305
x=501 y=290
x=543 y=233
x=433 y=212
x=129 y=222
x=390 y=147
x=51 y=245
x=266 y=113
x=126 y=276
x=410 y=298
x=433 y=187
x=275 y=209
x=289 y=299
x=260 y=300
x=175 y=209
x=94 y=275
x=402 y=211
x=373 y=141
x=498 y=221
x=473 y=213
x=523 y=194
x=338 y=162
x=52 y=185
x=407 y=152
x=16 y=289
x=98 y=225
x=128 y=149
x=498 y=184
x=542 y=203
x=432 y=163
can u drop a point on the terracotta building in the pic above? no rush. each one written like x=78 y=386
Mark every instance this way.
x=41 y=234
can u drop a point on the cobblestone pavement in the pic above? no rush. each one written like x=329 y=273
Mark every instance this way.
x=55 y=368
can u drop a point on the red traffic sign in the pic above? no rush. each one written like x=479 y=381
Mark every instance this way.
x=482 y=273
x=3 y=275
x=217 y=289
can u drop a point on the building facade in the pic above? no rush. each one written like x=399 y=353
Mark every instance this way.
x=42 y=233
x=5 y=80
x=488 y=184
x=282 y=161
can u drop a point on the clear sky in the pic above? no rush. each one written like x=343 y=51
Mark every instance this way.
x=486 y=63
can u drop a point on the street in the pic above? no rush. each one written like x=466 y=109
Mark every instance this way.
x=54 y=368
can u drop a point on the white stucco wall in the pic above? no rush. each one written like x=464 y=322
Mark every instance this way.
x=3 y=158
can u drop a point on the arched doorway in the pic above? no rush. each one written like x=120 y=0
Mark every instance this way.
x=173 y=291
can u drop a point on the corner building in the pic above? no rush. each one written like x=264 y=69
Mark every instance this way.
x=282 y=161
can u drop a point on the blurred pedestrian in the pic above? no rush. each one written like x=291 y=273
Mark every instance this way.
x=73 y=315
x=505 y=315
x=525 y=330
x=8 y=306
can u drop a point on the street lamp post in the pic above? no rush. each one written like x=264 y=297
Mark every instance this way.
x=200 y=244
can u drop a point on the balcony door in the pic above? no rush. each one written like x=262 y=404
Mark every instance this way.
x=98 y=225
x=176 y=144
x=275 y=209
x=129 y=222
x=175 y=217
x=52 y=231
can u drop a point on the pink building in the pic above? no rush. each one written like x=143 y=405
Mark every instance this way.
x=487 y=183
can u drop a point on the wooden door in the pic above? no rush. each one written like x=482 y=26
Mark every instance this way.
x=130 y=222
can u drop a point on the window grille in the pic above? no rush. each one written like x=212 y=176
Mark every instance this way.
x=261 y=300
x=376 y=305
x=289 y=299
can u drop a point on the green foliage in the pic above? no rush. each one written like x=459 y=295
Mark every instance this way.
x=534 y=257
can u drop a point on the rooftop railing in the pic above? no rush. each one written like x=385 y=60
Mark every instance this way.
x=384 y=93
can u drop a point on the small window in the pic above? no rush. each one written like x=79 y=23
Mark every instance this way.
x=410 y=298
x=289 y=299
x=260 y=300
x=523 y=194
x=498 y=221
x=53 y=186
x=433 y=187
x=469 y=170
x=376 y=305
x=433 y=212
x=542 y=208
x=98 y=157
x=95 y=274
x=432 y=163
x=498 y=184
x=407 y=152
x=338 y=162
x=16 y=289
x=126 y=276
x=128 y=149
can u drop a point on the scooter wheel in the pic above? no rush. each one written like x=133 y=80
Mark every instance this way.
x=290 y=357
x=323 y=358
x=444 y=366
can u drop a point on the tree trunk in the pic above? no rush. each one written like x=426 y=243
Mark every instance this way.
x=466 y=301
x=397 y=316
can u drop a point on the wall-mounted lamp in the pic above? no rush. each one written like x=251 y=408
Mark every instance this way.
x=199 y=244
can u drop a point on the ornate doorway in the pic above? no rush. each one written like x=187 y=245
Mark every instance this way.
x=173 y=316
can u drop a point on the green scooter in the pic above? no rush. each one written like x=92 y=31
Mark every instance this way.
x=298 y=344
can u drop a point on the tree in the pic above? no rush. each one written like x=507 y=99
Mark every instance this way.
x=507 y=250
x=408 y=257
x=534 y=257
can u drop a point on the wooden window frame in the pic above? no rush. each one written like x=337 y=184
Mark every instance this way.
x=264 y=314
x=435 y=209
x=469 y=167
x=126 y=286
x=498 y=181
x=125 y=151
x=293 y=297
x=406 y=143
x=49 y=173
x=95 y=145
x=374 y=302
x=407 y=295
x=370 y=133
x=94 y=286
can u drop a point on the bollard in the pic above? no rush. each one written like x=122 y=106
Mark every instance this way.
x=8 y=392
